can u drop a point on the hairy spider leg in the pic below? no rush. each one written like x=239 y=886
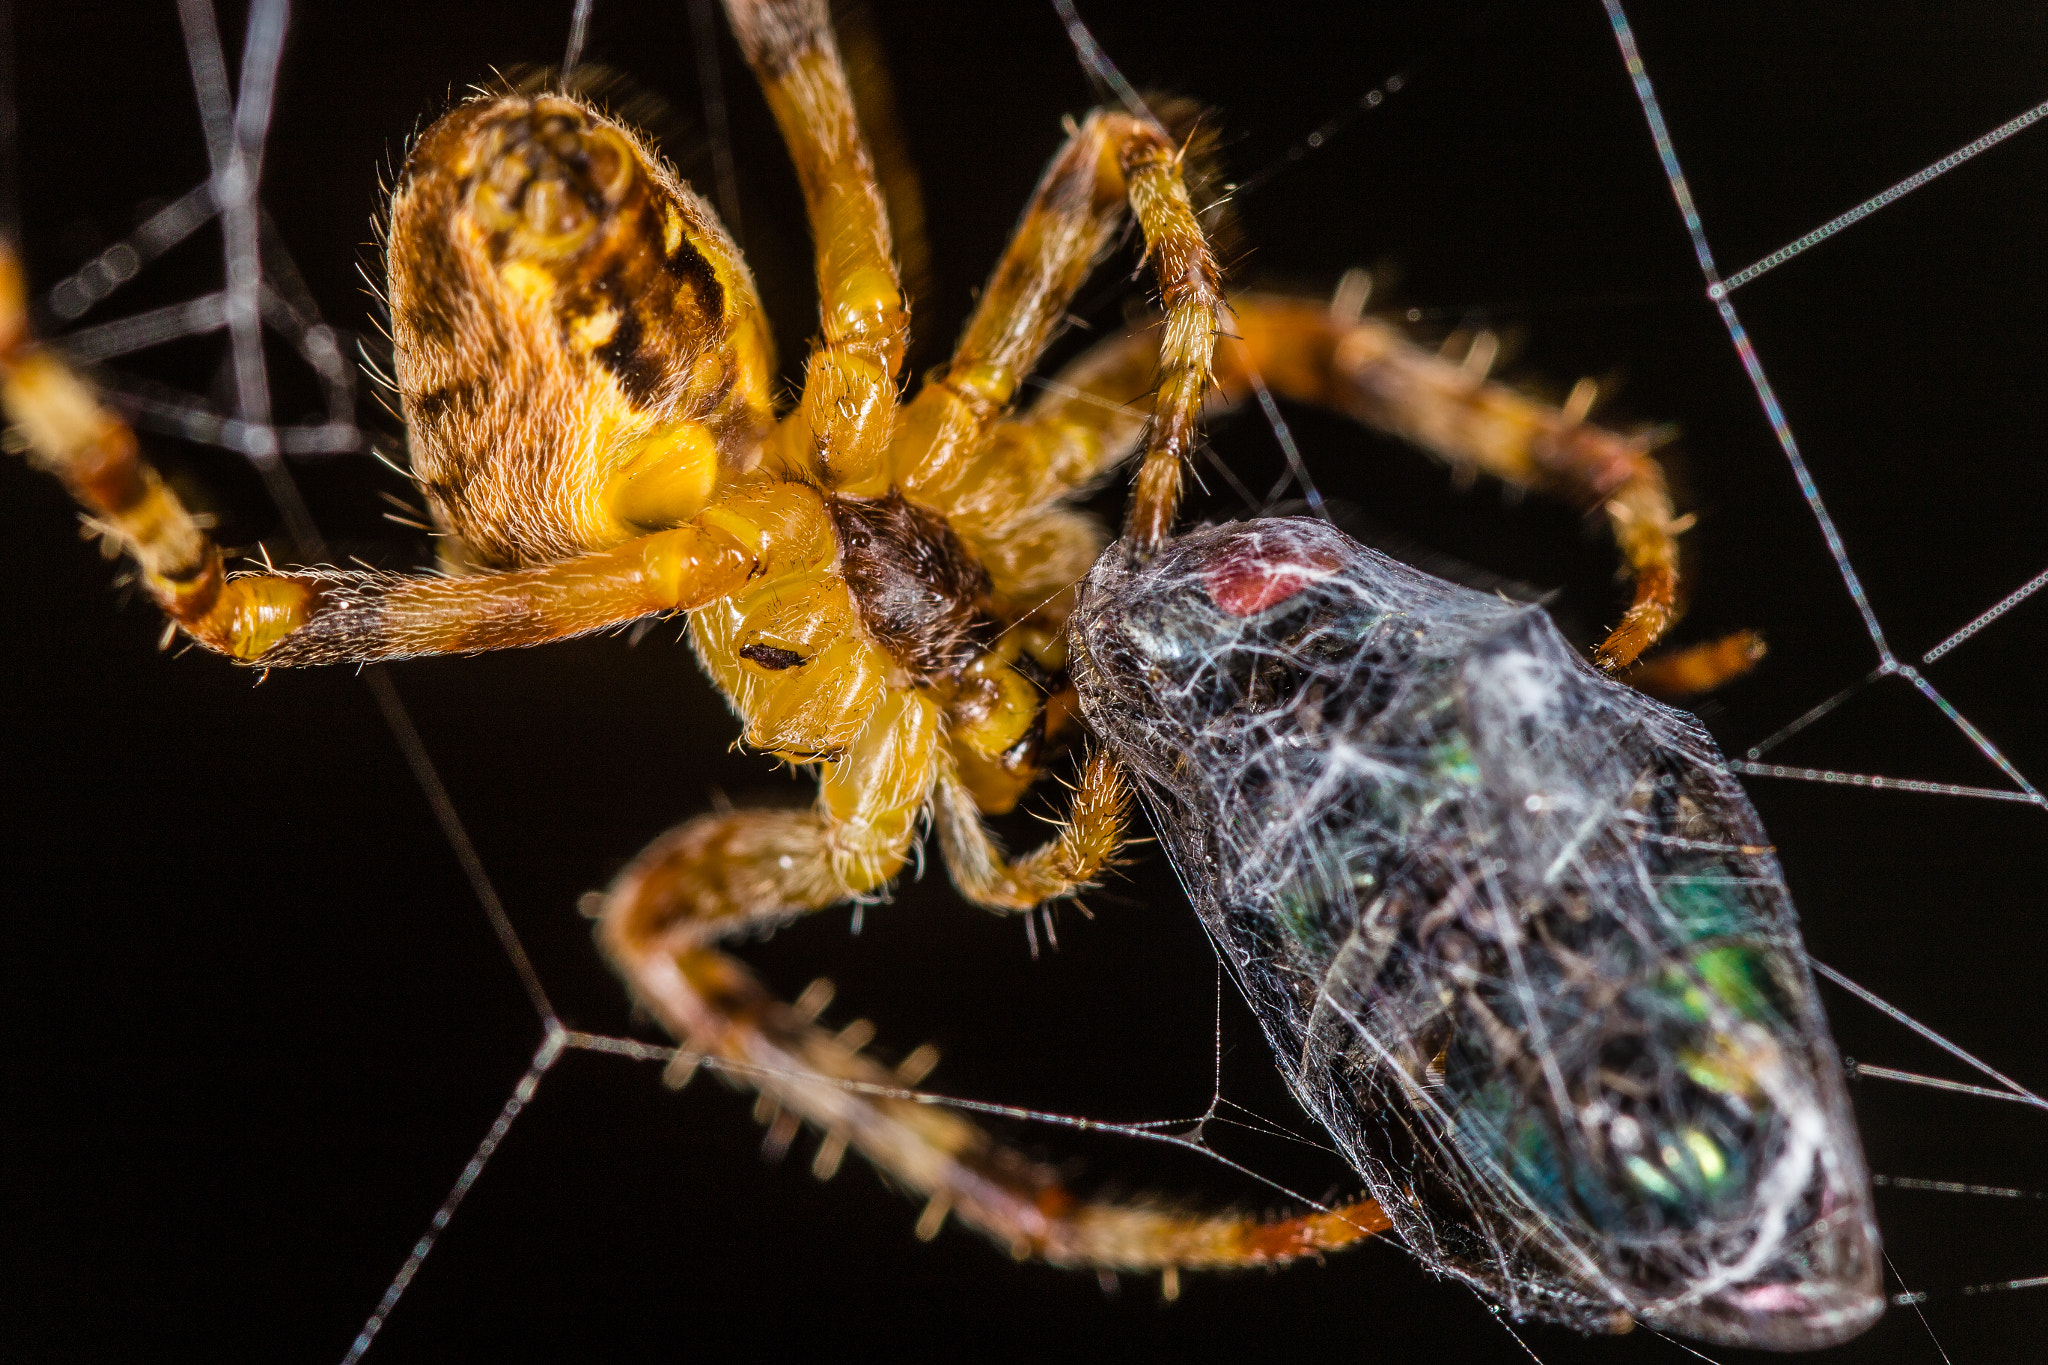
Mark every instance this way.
x=1088 y=837
x=327 y=616
x=941 y=452
x=725 y=874
x=944 y=459
x=995 y=478
x=1688 y=672
x=1191 y=291
x=874 y=101
x=841 y=428
x=1371 y=372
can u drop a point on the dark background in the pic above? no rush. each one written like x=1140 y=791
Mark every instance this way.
x=255 y=1022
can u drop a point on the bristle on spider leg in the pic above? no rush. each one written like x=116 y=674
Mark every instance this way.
x=831 y=1152
x=766 y=1108
x=682 y=1069
x=781 y=1133
x=1479 y=357
x=933 y=1218
x=1353 y=293
x=1578 y=404
x=918 y=1065
x=1169 y=1283
x=855 y=1035
x=816 y=996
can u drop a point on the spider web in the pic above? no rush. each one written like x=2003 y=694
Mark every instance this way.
x=1979 y=801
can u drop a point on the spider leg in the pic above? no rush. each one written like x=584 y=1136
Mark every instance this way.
x=1066 y=863
x=328 y=616
x=325 y=617
x=1191 y=289
x=943 y=456
x=1074 y=217
x=1688 y=672
x=1303 y=350
x=1089 y=419
x=874 y=100
x=841 y=430
x=724 y=874
x=1374 y=373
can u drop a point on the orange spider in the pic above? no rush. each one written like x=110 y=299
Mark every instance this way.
x=878 y=587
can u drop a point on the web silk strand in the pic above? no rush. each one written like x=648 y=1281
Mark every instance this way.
x=551 y=1049
x=1752 y=364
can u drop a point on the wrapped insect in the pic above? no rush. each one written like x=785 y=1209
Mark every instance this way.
x=1512 y=931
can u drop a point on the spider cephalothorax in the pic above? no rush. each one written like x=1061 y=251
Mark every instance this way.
x=879 y=587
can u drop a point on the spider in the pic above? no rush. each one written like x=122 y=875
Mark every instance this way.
x=878 y=586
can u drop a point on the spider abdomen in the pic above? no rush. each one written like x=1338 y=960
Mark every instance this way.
x=577 y=343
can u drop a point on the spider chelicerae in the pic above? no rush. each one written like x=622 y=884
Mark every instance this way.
x=878 y=586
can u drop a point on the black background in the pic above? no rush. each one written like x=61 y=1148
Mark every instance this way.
x=255 y=1022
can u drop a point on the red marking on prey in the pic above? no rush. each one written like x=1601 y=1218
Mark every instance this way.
x=1253 y=576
